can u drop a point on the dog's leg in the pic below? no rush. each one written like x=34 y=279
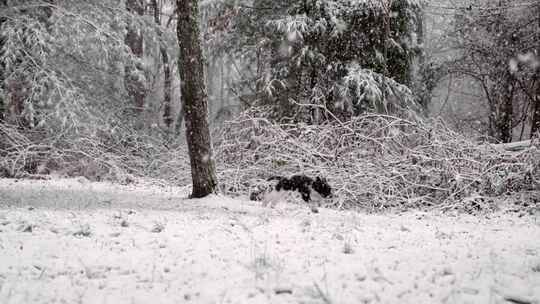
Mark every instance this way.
x=305 y=192
x=272 y=198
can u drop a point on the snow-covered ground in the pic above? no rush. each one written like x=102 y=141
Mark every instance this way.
x=72 y=241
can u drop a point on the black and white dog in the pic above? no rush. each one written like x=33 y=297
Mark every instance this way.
x=301 y=183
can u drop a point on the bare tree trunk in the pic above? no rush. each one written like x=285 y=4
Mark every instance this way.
x=195 y=99
x=167 y=82
x=208 y=65
x=535 y=126
x=424 y=87
x=3 y=99
x=504 y=111
x=180 y=120
x=134 y=74
x=222 y=83
x=167 y=89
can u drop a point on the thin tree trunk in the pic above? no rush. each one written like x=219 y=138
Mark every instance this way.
x=3 y=99
x=535 y=125
x=209 y=85
x=134 y=73
x=505 y=110
x=423 y=89
x=167 y=82
x=505 y=90
x=195 y=99
x=222 y=81
x=180 y=120
x=167 y=89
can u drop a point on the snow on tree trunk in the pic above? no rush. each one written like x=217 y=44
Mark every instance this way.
x=134 y=74
x=195 y=99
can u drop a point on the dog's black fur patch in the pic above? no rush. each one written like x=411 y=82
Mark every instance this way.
x=301 y=183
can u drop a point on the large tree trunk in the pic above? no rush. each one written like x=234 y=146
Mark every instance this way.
x=195 y=99
x=134 y=73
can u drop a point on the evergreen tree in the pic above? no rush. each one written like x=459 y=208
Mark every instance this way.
x=342 y=56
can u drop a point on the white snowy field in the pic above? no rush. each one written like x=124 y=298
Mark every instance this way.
x=72 y=241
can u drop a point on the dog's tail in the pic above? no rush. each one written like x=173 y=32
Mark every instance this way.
x=275 y=177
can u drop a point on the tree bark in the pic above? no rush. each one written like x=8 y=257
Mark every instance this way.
x=195 y=99
x=167 y=80
x=134 y=74
x=502 y=111
x=507 y=113
x=423 y=87
x=167 y=89
x=3 y=99
x=535 y=124
x=180 y=120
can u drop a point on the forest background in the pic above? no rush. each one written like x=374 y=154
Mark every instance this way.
x=394 y=101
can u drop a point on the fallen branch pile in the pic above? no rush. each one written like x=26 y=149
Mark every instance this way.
x=374 y=161
x=120 y=156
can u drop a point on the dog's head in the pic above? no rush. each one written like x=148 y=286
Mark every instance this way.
x=322 y=187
